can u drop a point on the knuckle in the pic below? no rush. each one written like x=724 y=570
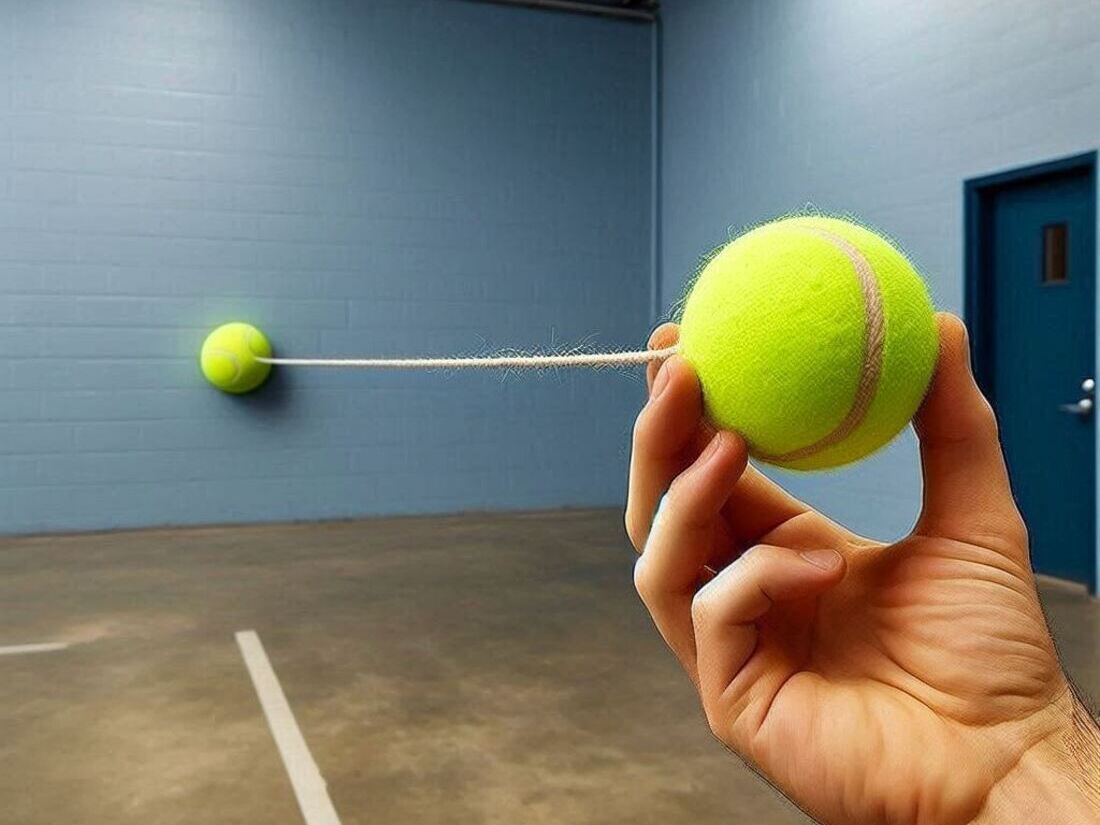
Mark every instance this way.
x=683 y=503
x=985 y=420
x=1017 y=531
x=716 y=722
x=702 y=607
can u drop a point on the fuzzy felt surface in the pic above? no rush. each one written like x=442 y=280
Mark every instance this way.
x=228 y=358
x=777 y=329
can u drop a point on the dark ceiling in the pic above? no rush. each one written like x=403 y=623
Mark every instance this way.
x=631 y=9
x=644 y=5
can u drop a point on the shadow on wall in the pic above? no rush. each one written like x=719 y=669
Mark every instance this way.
x=272 y=402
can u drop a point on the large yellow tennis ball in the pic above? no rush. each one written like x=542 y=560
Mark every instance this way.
x=229 y=354
x=814 y=338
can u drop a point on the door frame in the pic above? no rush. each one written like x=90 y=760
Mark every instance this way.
x=978 y=196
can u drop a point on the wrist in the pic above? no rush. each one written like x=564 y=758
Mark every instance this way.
x=1058 y=779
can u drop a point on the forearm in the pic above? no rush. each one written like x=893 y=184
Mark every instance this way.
x=1058 y=781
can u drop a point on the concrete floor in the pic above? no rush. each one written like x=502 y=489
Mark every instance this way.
x=480 y=670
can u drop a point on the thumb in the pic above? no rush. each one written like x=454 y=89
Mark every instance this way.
x=966 y=487
x=732 y=663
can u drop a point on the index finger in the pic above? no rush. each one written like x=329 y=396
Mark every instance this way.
x=666 y=335
x=671 y=569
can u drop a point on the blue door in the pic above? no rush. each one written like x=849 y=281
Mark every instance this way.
x=1036 y=355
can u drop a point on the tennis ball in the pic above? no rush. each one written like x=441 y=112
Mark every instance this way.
x=812 y=337
x=228 y=358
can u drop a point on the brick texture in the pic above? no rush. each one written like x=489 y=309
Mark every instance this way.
x=421 y=176
x=877 y=109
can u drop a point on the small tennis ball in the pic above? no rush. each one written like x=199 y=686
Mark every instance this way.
x=228 y=358
x=814 y=338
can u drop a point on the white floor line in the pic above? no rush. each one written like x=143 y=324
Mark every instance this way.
x=43 y=647
x=309 y=785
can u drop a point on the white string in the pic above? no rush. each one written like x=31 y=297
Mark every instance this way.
x=584 y=359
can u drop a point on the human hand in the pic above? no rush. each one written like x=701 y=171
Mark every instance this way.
x=907 y=683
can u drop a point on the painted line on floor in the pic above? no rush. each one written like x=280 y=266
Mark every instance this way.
x=309 y=786
x=42 y=647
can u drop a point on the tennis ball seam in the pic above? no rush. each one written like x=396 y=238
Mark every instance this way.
x=231 y=357
x=874 y=339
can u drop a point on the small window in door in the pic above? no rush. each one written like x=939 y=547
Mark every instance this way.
x=1055 y=242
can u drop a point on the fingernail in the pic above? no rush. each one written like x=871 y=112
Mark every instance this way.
x=711 y=449
x=825 y=559
x=661 y=381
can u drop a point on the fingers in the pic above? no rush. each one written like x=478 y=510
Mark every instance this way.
x=663 y=433
x=966 y=485
x=725 y=612
x=682 y=539
x=671 y=430
x=758 y=506
x=666 y=335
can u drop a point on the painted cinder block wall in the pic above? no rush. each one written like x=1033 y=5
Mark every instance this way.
x=877 y=109
x=388 y=177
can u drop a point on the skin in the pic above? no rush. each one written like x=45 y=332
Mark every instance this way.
x=903 y=683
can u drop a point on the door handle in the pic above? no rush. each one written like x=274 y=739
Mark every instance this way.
x=1081 y=408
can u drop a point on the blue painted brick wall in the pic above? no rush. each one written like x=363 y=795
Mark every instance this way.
x=875 y=108
x=420 y=176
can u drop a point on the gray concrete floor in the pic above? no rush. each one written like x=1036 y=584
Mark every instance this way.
x=474 y=669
